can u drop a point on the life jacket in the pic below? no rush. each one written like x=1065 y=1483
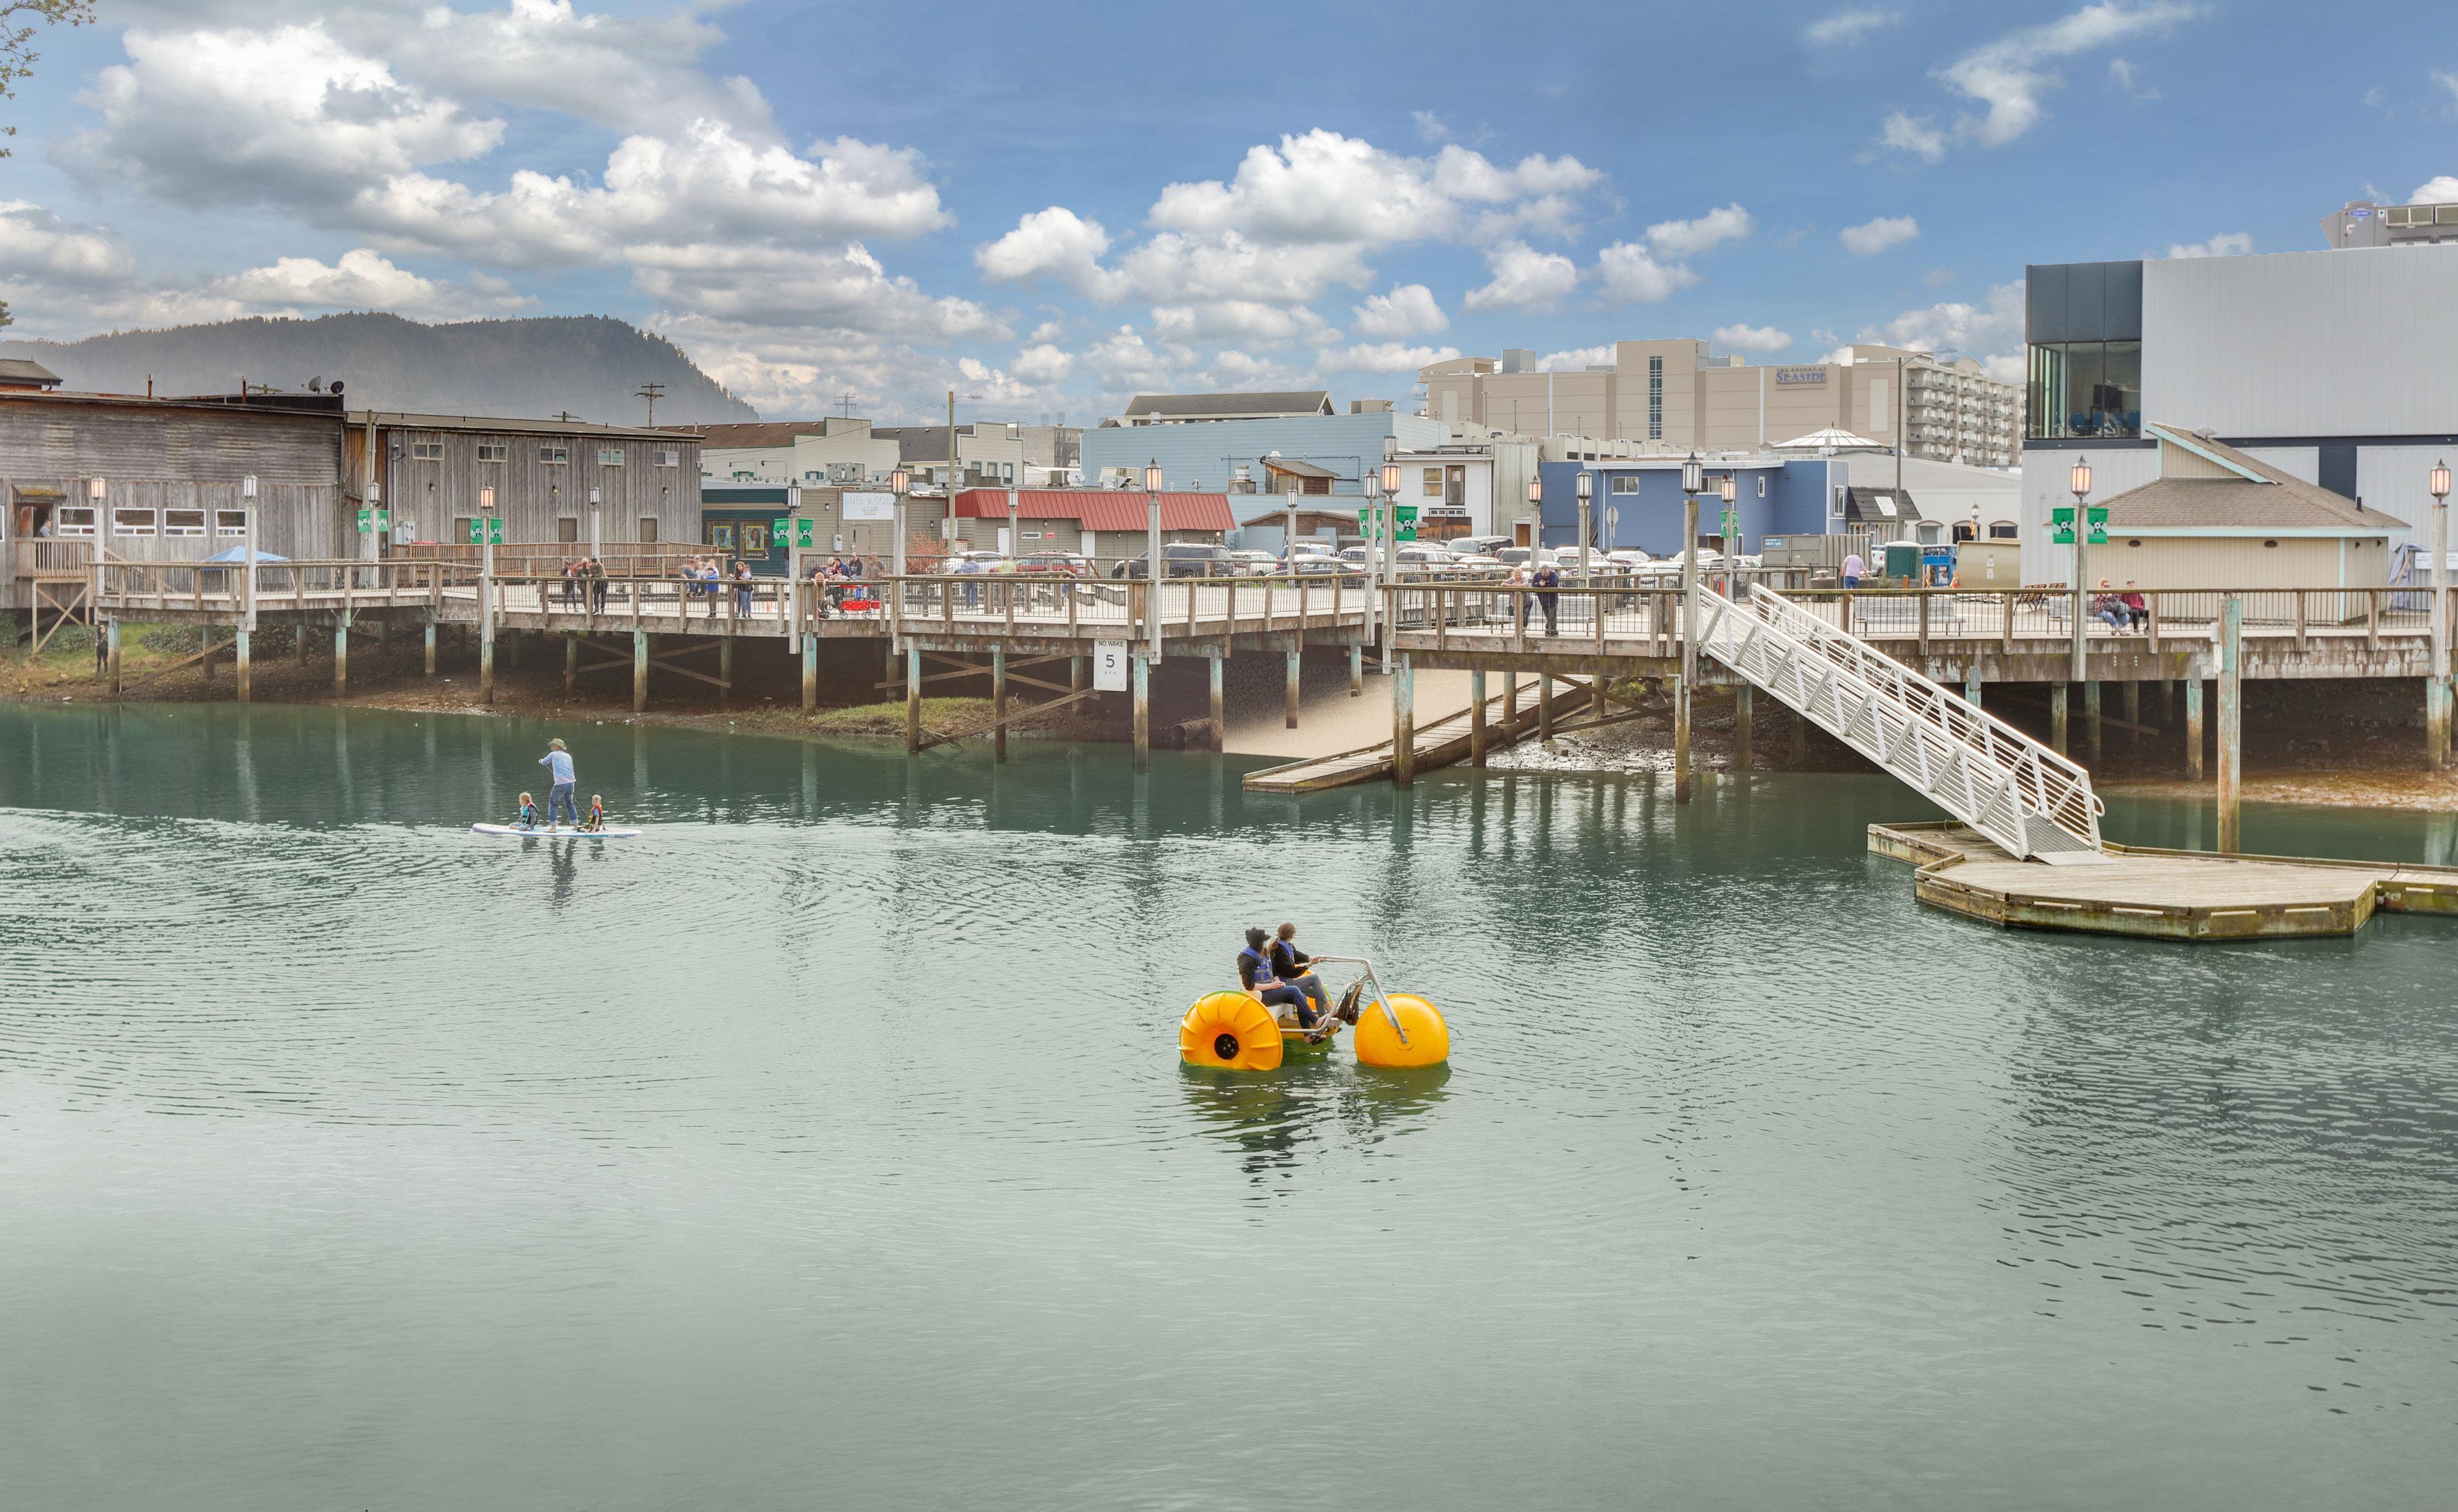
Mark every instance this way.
x=1262 y=963
x=529 y=815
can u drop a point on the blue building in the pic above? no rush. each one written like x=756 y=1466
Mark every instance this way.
x=1637 y=503
x=1331 y=453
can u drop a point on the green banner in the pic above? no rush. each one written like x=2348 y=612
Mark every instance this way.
x=803 y=534
x=486 y=529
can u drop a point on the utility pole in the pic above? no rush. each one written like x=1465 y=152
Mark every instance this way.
x=652 y=392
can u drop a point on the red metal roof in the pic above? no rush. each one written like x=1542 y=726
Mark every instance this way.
x=1100 y=508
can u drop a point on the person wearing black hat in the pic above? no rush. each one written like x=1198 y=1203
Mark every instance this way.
x=1255 y=975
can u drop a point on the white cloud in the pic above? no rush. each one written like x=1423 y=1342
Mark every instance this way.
x=1326 y=188
x=286 y=117
x=1056 y=244
x=787 y=287
x=2006 y=78
x=1524 y=279
x=1382 y=357
x=1971 y=329
x=2447 y=80
x=1873 y=237
x=1752 y=337
x=1408 y=310
x=2442 y=190
x=2226 y=245
x=1687 y=238
x=1630 y=276
x=37 y=247
x=1239 y=321
x=1044 y=362
x=361 y=279
x=1228 y=266
x=2121 y=77
x=1429 y=127
x=1575 y=359
x=1849 y=28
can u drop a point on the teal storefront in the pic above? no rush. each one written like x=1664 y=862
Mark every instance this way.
x=741 y=523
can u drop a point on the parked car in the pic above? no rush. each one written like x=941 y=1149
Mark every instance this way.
x=1478 y=544
x=1316 y=562
x=1255 y=564
x=1183 y=559
x=1064 y=564
x=972 y=561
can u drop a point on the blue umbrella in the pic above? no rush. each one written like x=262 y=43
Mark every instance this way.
x=238 y=553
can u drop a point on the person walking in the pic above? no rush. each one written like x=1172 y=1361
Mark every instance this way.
x=1854 y=569
x=560 y=794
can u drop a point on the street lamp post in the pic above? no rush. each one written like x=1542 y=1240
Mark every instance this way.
x=1154 y=567
x=1729 y=532
x=1391 y=524
x=1694 y=481
x=2437 y=687
x=1586 y=490
x=2079 y=481
x=486 y=595
x=1290 y=541
x=1377 y=549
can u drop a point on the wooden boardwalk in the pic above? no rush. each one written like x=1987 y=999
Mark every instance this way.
x=2161 y=894
x=1441 y=743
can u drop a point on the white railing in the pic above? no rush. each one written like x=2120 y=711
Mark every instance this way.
x=2019 y=793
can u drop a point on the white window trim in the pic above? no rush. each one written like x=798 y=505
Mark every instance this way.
x=153 y=520
x=503 y=451
x=554 y=456
x=60 y=525
x=223 y=515
x=427 y=451
x=197 y=529
x=610 y=456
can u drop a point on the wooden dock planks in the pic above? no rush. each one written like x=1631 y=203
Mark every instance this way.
x=1440 y=743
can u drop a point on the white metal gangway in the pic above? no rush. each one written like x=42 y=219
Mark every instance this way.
x=2023 y=795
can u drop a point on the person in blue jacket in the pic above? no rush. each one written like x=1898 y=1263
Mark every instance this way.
x=1255 y=975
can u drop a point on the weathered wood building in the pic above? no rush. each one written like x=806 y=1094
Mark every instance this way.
x=432 y=472
x=164 y=478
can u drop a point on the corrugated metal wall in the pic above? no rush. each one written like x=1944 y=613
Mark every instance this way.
x=532 y=493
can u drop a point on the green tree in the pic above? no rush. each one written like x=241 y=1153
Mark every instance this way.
x=17 y=59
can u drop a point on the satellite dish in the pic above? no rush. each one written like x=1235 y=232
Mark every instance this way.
x=336 y=388
x=316 y=384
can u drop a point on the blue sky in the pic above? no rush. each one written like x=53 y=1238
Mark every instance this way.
x=1054 y=207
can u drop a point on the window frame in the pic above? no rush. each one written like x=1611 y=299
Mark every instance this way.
x=553 y=456
x=61 y=526
x=153 y=520
x=222 y=527
x=427 y=451
x=501 y=451
x=1623 y=482
x=670 y=458
x=648 y=535
x=171 y=525
x=610 y=456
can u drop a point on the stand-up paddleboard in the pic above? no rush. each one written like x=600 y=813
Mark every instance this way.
x=608 y=834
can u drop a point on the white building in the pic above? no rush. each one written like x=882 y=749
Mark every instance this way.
x=834 y=450
x=2332 y=367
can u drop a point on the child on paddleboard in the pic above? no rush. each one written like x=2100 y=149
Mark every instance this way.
x=529 y=817
x=596 y=823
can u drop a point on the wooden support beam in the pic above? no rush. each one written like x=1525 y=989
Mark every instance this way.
x=912 y=699
x=998 y=702
x=1291 y=699
x=2058 y=715
x=2231 y=782
x=934 y=737
x=2090 y=717
x=1219 y=698
x=111 y=655
x=1355 y=672
x=1544 y=707
x=639 y=670
x=1685 y=777
x=1476 y=717
x=2193 y=729
x=571 y=661
x=242 y=672
x=430 y=643
x=1143 y=710
x=342 y=652
x=1404 y=724
x=811 y=673
x=1742 y=724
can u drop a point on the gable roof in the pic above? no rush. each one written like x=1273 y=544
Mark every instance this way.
x=1880 y=506
x=14 y=371
x=1100 y=508
x=1297 y=469
x=2205 y=483
x=1270 y=406
x=750 y=433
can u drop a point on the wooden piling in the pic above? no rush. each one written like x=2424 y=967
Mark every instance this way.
x=2193 y=729
x=1220 y=700
x=2132 y=695
x=430 y=643
x=1356 y=672
x=1972 y=684
x=810 y=672
x=1741 y=701
x=1544 y=708
x=1078 y=673
x=998 y=700
x=1509 y=695
x=570 y=662
x=1684 y=779
x=1143 y=711
x=725 y=663
x=342 y=652
x=1476 y=717
x=639 y=670
x=1291 y=699
x=205 y=644
x=2058 y=715
x=1801 y=739
x=2231 y=782
x=1404 y=724
x=111 y=653
x=2436 y=722
x=241 y=670
x=2090 y=717
x=912 y=699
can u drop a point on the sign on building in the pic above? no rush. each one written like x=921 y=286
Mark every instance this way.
x=1110 y=666
x=1791 y=377
x=881 y=507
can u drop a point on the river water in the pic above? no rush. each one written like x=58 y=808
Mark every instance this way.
x=828 y=1147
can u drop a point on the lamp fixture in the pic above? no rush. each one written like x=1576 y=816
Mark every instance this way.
x=1154 y=477
x=1694 y=477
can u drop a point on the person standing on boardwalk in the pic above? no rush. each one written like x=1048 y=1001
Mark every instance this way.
x=559 y=796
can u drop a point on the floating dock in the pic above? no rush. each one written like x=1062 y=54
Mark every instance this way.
x=1443 y=743
x=2161 y=894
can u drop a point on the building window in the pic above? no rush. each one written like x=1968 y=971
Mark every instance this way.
x=1762 y=484
x=461 y=524
x=554 y=456
x=1625 y=483
x=670 y=459
x=183 y=522
x=649 y=529
x=610 y=456
x=566 y=529
x=2086 y=389
x=427 y=451
x=1656 y=399
x=131 y=522
x=2003 y=531
x=230 y=522
x=811 y=477
x=1433 y=483
x=495 y=451
x=75 y=519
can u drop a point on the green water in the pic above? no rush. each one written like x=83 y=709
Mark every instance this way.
x=828 y=1147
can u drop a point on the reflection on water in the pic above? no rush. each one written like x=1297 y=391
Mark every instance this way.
x=832 y=1136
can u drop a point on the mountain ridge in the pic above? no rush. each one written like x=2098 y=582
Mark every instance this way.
x=530 y=368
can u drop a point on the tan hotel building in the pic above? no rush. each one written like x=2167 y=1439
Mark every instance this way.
x=1677 y=394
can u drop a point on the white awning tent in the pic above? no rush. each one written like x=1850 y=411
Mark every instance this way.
x=1830 y=439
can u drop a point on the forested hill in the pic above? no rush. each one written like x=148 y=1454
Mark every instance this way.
x=590 y=366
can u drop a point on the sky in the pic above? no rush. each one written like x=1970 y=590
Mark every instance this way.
x=1049 y=209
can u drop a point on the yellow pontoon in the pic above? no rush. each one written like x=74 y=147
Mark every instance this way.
x=1233 y=1031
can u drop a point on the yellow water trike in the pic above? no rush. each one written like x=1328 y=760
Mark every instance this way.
x=1235 y=1031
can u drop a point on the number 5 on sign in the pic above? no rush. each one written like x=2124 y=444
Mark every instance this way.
x=1110 y=666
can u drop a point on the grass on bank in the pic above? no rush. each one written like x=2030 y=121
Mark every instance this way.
x=888 y=718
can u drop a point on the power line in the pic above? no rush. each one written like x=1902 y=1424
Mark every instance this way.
x=652 y=392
